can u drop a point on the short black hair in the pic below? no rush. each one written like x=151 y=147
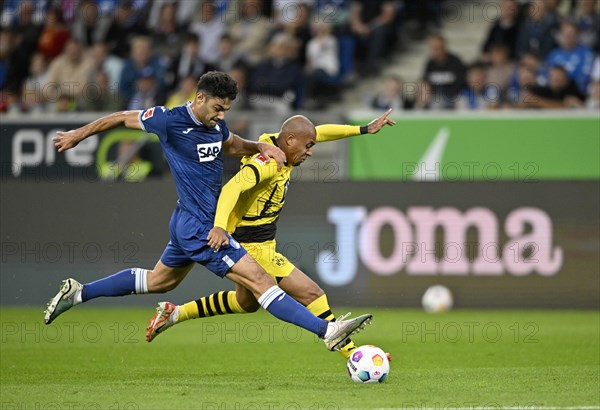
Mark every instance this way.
x=217 y=84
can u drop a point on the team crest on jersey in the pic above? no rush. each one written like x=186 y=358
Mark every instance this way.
x=208 y=152
x=148 y=114
x=260 y=159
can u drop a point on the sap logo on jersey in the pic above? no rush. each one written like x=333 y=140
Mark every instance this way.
x=208 y=152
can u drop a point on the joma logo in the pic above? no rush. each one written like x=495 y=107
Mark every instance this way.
x=528 y=246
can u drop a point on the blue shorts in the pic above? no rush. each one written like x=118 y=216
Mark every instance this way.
x=188 y=244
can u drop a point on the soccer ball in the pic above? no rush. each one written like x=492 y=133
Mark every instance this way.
x=437 y=299
x=368 y=364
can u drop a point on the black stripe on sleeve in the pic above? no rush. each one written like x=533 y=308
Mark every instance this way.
x=256 y=174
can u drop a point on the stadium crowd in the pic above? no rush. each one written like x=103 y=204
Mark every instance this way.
x=537 y=54
x=107 y=55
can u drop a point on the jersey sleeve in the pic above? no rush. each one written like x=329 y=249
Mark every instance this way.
x=332 y=132
x=225 y=133
x=154 y=120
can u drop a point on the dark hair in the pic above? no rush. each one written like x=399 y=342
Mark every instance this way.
x=559 y=68
x=217 y=84
x=477 y=65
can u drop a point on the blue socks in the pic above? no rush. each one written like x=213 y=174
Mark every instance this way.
x=283 y=307
x=126 y=282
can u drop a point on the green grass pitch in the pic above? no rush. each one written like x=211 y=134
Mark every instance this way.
x=95 y=358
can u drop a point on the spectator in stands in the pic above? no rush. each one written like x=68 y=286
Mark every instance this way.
x=167 y=35
x=372 y=22
x=185 y=92
x=533 y=62
x=54 y=35
x=587 y=18
x=561 y=92
x=228 y=55
x=188 y=62
x=88 y=27
x=6 y=46
x=185 y=12
x=536 y=34
x=444 y=74
x=553 y=8
x=239 y=73
x=100 y=94
x=70 y=71
x=504 y=31
x=238 y=118
x=141 y=58
x=322 y=64
x=148 y=92
x=109 y=63
x=123 y=28
x=593 y=101
x=576 y=58
x=524 y=80
x=22 y=12
x=477 y=95
x=209 y=27
x=297 y=23
x=32 y=100
x=392 y=96
x=25 y=34
x=250 y=29
x=501 y=69
x=275 y=82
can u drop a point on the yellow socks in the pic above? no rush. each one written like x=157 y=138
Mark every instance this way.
x=221 y=303
x=320 y=308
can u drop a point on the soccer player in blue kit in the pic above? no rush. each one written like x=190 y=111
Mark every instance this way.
x=194 y=137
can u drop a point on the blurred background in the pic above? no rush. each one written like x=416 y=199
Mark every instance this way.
x=489 y=183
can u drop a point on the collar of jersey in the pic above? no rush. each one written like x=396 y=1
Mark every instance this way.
x=191 y=114
x=274 y=140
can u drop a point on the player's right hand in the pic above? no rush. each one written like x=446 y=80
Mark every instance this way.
x=217 y=238
x=271 y=151
x=65 y=140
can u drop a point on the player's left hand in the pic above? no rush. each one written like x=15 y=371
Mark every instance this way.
x=271 y=151
x=217 y=238
x=378 y=123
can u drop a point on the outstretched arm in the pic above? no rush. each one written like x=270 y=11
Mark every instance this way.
x=239 y=147
x=65 y=140
x=332 y=132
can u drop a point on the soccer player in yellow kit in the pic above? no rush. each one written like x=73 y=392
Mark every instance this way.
x=248 y=208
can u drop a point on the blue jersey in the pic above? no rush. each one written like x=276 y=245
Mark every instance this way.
x=577 y=62
x=194 y=154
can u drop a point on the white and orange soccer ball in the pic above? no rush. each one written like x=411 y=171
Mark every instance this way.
x=437 y=299
x=368 y=364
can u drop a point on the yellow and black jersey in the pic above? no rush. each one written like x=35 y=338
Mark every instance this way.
x=252 y=200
